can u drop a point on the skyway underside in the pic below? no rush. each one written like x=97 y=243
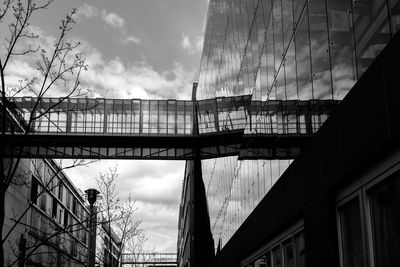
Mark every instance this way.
x=183 y=147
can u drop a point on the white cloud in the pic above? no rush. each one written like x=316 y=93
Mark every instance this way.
x=112 y=19
x=186 y=44
x=114 y=78
x=192 y=45
x=130 y=39
x=87 y=11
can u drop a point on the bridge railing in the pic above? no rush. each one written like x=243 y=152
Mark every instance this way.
x=149 y=259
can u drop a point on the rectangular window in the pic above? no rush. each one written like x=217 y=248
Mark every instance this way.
x=74 y=206
x=34 y=190
x=65 y=219
x=384 y=200
x=300 y=249
x=60 y=191
x=351 y=233
x=43 y=200
x=54 y=208
x=277 y=256
x=289 y=253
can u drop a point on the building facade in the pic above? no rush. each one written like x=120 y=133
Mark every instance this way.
x=108 y=246
x=52 y=217
x=263 y=212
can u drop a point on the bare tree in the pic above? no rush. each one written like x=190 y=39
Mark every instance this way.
x=136 y=251
x=57 y=67
x=117 y=215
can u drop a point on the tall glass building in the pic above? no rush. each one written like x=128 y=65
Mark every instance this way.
x=280 y=50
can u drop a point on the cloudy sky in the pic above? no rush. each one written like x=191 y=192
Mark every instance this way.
x=134 y=49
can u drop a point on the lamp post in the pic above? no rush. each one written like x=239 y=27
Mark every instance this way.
x=92 y=197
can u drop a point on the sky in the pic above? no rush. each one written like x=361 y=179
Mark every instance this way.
x=134 y=49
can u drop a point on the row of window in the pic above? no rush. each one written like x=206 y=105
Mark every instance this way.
x=43 y=228
x=51 y=195
x=288 y=250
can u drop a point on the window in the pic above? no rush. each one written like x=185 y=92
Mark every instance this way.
x=74 y=206
x=43 y=201
x=34 y=190
x=54 y=208
x=368 y=223
x=60 y=191
x=350 y=224
x=287 y=250
x=277 y=256
x=65 y=219
x=69 y=199
x=384 y=200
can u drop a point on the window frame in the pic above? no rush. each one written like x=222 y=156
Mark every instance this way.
x=371 y=177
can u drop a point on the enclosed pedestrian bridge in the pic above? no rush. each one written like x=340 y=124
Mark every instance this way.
x=161 y=129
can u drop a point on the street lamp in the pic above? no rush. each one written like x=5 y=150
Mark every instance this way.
x=92 y=195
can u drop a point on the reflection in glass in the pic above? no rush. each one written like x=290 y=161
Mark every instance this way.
x=371 y=30
x=279 y=50
x=321 y=75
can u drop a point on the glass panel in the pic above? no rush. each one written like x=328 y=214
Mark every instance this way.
x=171 y=117
x=277 y=257
x=270 y=60
x=352 y=242
x=302 y=42
x=341 y=47
x=289 y=259
x=385 y=212
x=371 y=30
x=394 y=6
x=300 y=250
x=135 y=116
x=162 y=120
x=321 y=75
x=145 y=116
x=278 y=44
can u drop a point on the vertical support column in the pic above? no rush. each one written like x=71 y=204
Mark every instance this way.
x=105 y=117
x=215 y=111
x=92 y=237
x=69 y=117
x=140 y=117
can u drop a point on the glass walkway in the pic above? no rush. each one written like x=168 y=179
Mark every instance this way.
x=161 y=129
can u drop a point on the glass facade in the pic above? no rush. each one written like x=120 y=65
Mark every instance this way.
x=281 y=50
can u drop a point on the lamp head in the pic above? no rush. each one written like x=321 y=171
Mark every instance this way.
x=92 y=195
